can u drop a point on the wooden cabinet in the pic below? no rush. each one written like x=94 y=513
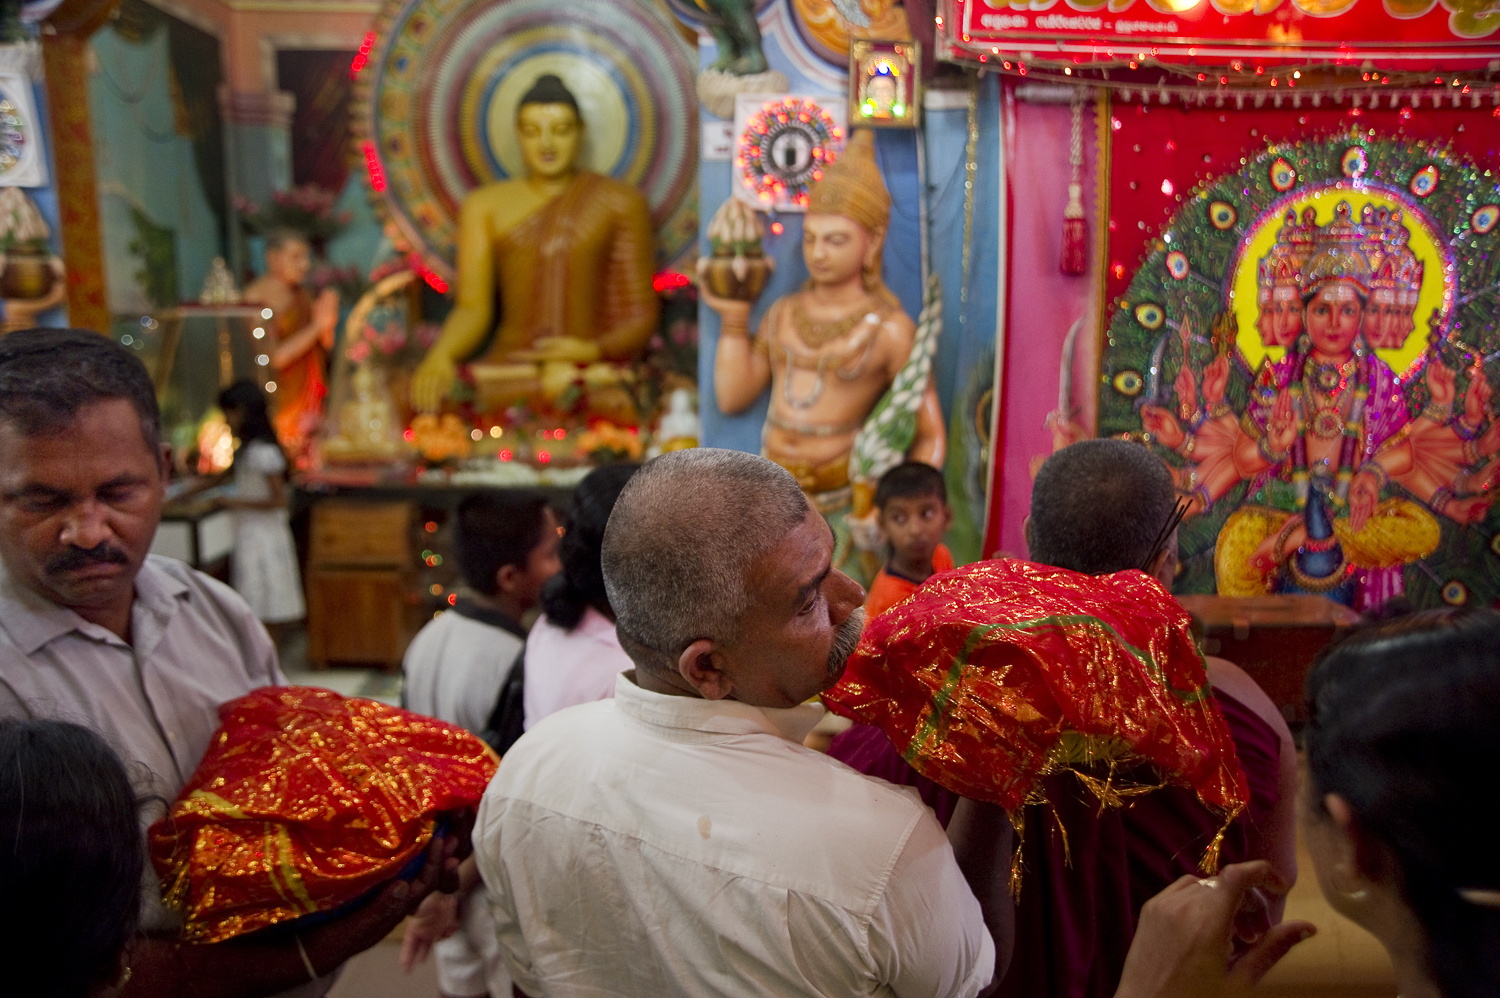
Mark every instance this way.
x=359 y=569
x=1273 y=638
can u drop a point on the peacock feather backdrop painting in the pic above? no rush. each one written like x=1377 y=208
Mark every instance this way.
x=1311 y=342
x=437 y=99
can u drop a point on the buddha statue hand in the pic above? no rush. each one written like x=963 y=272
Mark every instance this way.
x=432 y=380
x=563 y=349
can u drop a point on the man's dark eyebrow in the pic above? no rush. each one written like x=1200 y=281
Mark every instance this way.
x=121 y=480
x=35 y=490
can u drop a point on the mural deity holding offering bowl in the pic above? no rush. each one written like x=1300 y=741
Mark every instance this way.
x=849 y=371
x=1327 y=432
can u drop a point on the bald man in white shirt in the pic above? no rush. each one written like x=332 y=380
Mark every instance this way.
x=679 y=839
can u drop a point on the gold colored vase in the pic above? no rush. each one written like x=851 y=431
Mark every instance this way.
x=27 y=275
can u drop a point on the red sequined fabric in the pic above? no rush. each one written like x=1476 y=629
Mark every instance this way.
x=993 y=676
x=304 y=802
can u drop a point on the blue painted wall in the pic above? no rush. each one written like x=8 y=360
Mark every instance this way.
x=145 y=163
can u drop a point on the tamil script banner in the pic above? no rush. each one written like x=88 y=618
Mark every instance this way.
x=1418 y=34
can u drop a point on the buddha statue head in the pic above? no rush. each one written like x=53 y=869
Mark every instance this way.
x=848 y=210
x=549 y=129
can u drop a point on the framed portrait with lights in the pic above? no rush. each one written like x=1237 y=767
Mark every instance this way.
x=884 y=89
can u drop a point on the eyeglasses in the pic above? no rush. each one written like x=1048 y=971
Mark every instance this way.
x=1179 y=510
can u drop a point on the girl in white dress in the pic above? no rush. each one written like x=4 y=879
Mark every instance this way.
x=264 y=566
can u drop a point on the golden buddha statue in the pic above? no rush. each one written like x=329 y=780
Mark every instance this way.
x=570 y=250
x=832 y=349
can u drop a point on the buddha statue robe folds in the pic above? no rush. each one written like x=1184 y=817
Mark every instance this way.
x=578 y=267
x=570 y=253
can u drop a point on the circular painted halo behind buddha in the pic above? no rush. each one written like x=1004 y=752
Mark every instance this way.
x=437 y=103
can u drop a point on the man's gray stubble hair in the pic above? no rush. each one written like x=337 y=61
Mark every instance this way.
x=680 y=542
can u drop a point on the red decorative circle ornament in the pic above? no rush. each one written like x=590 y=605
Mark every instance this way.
x=785 y=147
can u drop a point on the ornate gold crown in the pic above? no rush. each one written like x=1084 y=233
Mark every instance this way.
x=1395 y=265
x=1372 y=252
x=1294 y=244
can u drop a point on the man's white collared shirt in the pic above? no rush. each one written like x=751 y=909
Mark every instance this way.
x=659 y=846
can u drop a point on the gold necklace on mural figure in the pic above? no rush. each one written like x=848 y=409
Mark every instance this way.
x=818 y=334
x=1331 y=393
x=819 y=363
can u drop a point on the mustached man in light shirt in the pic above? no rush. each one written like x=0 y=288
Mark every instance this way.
x=141 y=649
x=679 y=840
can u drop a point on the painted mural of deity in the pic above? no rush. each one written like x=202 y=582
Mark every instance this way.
x=1345 y=484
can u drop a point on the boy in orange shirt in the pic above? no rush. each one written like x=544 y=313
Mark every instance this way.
x=914 y=514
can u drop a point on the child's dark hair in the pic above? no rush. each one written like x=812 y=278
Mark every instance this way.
x=246 y=398
x=910 y=480
x=1404 y=715
x=580 y=584
x=71 y=860
x=495 y=529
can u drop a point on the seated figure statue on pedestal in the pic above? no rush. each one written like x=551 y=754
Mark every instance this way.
x=570 y=252
x=831 y=350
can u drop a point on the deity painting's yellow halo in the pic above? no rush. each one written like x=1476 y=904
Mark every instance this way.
x=1317 y=208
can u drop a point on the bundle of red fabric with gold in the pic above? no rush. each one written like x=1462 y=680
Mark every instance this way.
x=304 y=802
x=991 y=677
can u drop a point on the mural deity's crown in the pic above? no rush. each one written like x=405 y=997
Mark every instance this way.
x=1339 y=253
x=1294 y=243
x=1394 y=264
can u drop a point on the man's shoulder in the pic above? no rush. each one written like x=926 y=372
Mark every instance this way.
x=450 y=630
x=776 y=773
x=180 y=577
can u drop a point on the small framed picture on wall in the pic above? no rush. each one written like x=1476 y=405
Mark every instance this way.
x=884 y=91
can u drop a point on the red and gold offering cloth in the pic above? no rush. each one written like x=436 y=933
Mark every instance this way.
x=992 y=677
x=305 y=801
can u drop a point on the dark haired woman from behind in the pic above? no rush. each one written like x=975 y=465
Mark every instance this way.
x=572 y=652
x=71 y=854
x=263 y=568
x=1399 y=812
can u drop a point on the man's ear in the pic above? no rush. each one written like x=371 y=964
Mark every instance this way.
x=702 y=665
x=1026 y=533
x=164 y=462
x=507 y=577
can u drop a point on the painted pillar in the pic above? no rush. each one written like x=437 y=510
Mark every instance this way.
x=65 y=57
